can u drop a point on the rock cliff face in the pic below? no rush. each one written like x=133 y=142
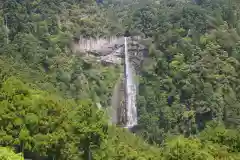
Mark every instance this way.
x=99 y=46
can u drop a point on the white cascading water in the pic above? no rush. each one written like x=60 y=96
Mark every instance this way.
x=130 y=94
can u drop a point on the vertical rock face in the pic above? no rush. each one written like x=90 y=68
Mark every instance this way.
x=91 y=44
x=118 y=112
x=117 y=97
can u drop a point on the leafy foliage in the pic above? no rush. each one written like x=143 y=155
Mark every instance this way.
x=7 y=154
x=36 y=37
x=190 y=76
x=48 y=95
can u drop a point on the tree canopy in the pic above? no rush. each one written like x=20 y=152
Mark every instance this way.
x=188 y=101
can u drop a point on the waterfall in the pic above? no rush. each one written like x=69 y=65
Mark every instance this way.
x=125 y=90
x=130 y=91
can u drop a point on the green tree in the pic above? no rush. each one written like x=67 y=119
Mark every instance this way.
x=8 y=154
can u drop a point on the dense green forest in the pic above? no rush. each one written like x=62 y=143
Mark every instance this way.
x=189 y=93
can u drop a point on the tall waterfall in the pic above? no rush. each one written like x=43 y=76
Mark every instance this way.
x=123 y=109
x=130 y=91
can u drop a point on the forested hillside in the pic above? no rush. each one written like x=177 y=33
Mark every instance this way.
x=188 y=102
x=36 y=39
x=191 y=76
x=189 y=84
